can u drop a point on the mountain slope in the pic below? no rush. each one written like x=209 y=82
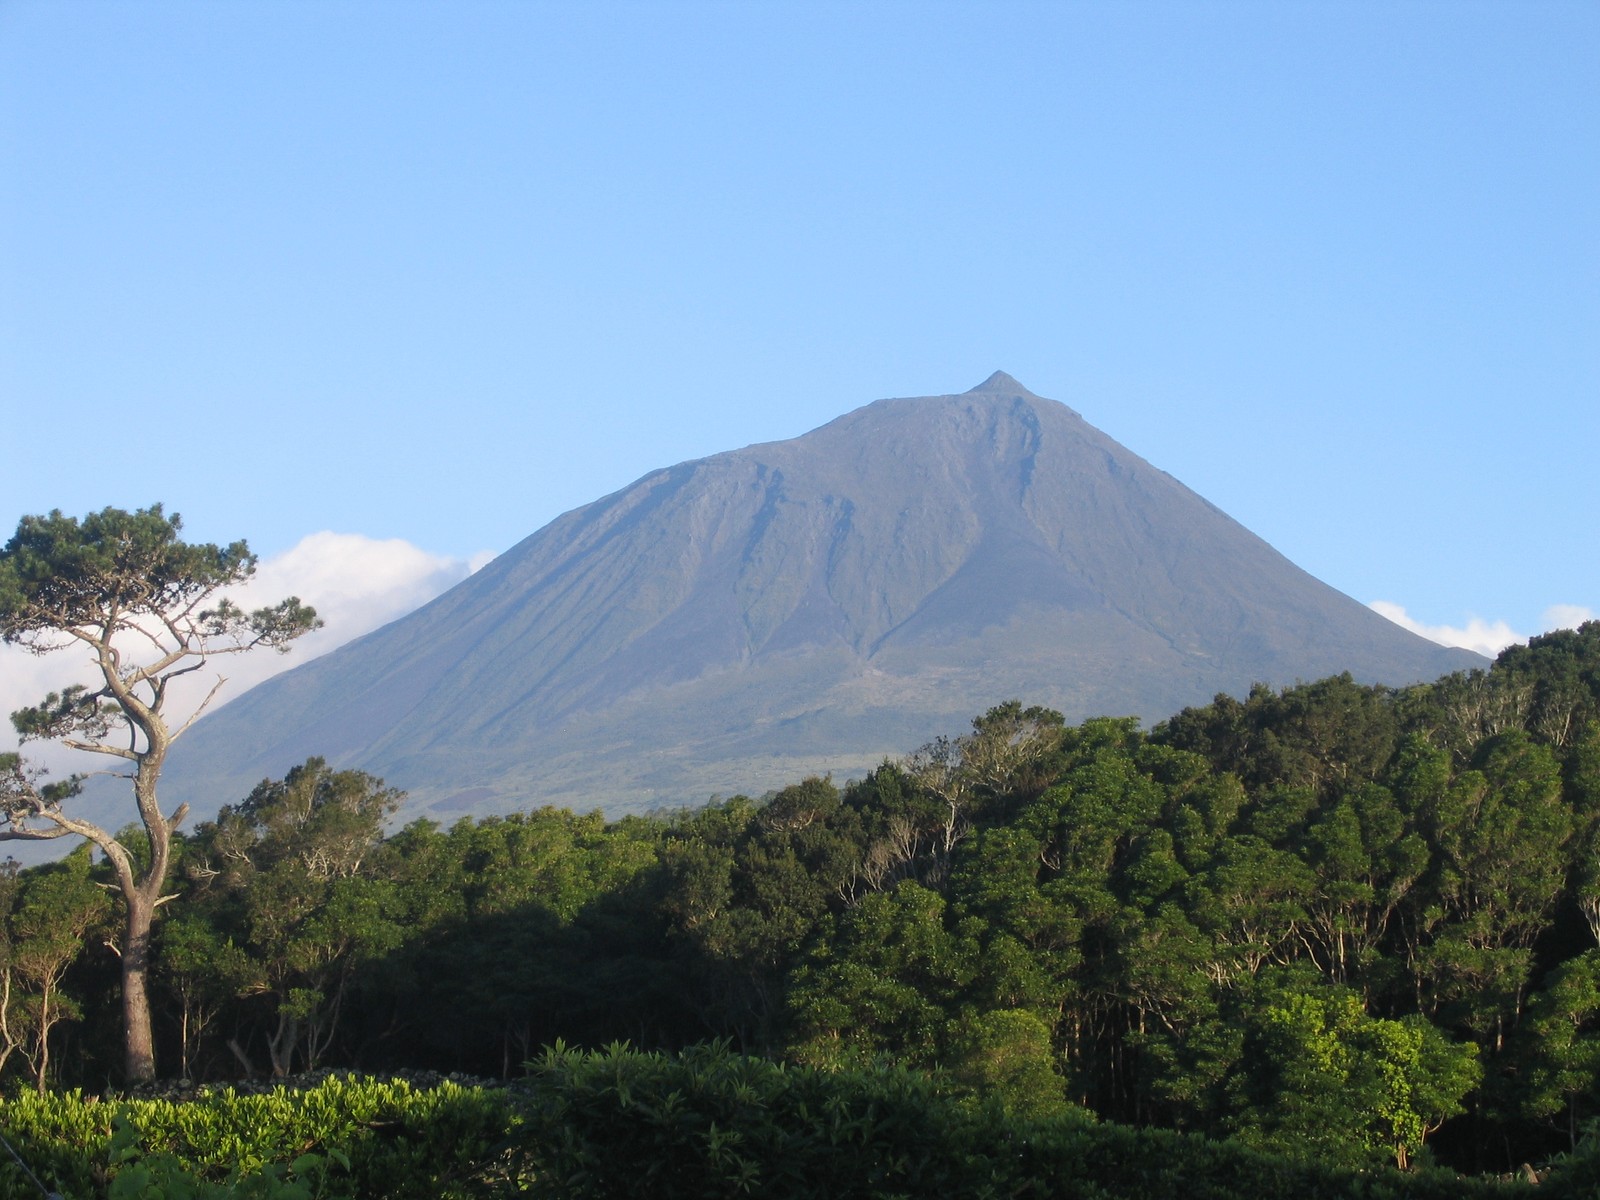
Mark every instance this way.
x=732 y=623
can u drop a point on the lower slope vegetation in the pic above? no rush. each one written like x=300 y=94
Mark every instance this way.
x=1346 y=927
x=703 y=1124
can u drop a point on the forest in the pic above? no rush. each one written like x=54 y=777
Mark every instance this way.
x=1350 y=923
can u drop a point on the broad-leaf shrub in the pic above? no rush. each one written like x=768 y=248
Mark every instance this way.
x=618 y=1123
x=710 y=1123
x=343 y=1138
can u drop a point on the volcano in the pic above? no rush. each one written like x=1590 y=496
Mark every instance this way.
x=738 y=622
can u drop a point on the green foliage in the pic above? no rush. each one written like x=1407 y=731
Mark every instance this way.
x=137 y=1174
x=1327 y=919
x=885 y=983
x=47 y=915
x=713 y=1123
x=1559 y=1045
x=1005 y=1055
x=344 y=1138
x=117 y=567
x=710 y=1124
x=706 y=1123
x=125 y=588
x=1326 y=1080
x=1575 y=1175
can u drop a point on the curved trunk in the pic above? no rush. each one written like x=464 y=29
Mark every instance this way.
x=140 y=1044
x=141 y=897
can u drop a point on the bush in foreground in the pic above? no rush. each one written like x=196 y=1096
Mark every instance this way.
x=709 y=1123
x=618 y=1123
x=343 y=1138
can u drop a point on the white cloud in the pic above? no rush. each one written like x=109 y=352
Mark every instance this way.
x=1567 y=616
x=1486 y=637
x=355 y=583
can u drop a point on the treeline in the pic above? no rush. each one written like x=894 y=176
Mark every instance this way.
x=1347 y=921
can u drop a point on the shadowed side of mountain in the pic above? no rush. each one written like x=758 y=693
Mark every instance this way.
x=812 y=605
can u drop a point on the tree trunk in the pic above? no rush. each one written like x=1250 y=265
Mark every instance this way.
x=244 y=1059
x=41 y=1065
x=141 y=1051
x=183 y=1039
x=281 y=1045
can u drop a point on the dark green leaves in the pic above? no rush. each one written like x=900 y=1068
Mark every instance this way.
x=57 y=572
x=73 y=712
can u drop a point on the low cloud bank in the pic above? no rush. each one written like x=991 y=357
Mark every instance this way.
x=355 y=583
x=1486 y=637
x=358 y=583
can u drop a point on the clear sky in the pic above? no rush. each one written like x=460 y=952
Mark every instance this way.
x=427 y=274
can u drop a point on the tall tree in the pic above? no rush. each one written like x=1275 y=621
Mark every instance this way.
x=300 y=854
x=1010 y=753
x=144 y=604
x=57 y=907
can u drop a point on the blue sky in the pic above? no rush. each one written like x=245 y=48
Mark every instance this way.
x=428 y=274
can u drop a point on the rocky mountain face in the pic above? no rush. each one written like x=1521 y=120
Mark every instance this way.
x=814 y=605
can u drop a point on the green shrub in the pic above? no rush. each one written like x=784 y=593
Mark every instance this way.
x=343 y=1138
x=709 y=1123
x=138 y=1174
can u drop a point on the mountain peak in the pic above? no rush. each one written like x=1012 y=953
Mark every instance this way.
x=812 y=605
x=1001 y=382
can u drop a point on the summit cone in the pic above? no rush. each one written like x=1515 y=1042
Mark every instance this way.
x=815 y=605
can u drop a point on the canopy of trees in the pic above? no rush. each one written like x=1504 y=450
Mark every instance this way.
x=1351 y=922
